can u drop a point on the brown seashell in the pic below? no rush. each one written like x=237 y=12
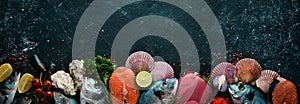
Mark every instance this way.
x=162 y=70
x=265 y=80
x=248 y=70
x=224 y=68
x=285 y=93
x=140 y=61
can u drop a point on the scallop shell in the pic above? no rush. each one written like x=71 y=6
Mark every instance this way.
x=140 y=61
x=226 y=69
x=265 y=80
x=248 y=70
x=285 y=93
x=162 y=70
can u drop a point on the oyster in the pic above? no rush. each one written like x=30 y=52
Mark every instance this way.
x=62 y=80
x=77 y=72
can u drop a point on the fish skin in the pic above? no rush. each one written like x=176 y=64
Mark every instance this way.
x=246 y=94
x=8 y=88
x=24 y=99
x=160 y=92
x=93 y=93
x=61 y=99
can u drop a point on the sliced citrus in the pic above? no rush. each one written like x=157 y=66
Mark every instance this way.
x=25 y=83
x=143 y=79
x=5 y=71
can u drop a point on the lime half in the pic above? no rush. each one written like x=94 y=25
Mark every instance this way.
x=143 y=79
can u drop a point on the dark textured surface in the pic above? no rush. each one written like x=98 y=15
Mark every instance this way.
x=268 y=31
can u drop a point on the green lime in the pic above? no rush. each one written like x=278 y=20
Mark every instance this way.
x=143 y=79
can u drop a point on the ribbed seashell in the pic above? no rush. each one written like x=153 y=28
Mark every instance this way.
x=162 y=70
x=226 y=69
x=285 y=93
x=248 y=70
x=265 y=80
x=140 y=61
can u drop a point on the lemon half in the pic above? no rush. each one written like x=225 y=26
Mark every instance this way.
x=25 y=83
x=5 y=71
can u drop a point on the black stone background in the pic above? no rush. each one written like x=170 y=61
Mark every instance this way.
x=271 y=27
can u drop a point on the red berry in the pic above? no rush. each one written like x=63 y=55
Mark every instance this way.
x=49 y=94
x=47 y=85
x=43 y=101
x=36 y=82
x=38 y=92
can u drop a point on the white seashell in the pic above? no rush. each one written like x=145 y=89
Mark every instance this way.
x=140 y=61
x=62 y=80
x=77 y=72
x=162 y=70
x=265 y=80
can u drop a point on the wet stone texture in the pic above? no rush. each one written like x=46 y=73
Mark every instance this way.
x=268 y=31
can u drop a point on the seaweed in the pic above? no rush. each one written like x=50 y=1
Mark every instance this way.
x=100 y=67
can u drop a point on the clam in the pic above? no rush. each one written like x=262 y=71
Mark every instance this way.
x=265 y=80
x=140 y=61
x=248 y=70
x=162 y=70
x=285 y=92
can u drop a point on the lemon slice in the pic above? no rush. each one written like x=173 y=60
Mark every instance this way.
x=143 y=79
x=25 y=83
x=5 y=71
